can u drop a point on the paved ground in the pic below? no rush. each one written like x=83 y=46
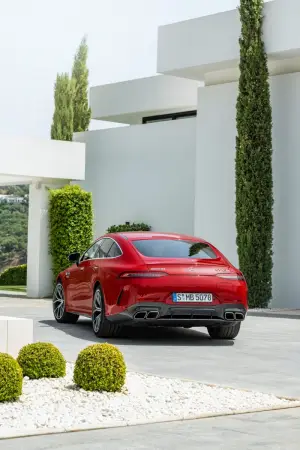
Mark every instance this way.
x=280 y=313
x=264 y=357
x=267 y=431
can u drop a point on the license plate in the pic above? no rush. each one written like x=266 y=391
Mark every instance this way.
x=184 y=297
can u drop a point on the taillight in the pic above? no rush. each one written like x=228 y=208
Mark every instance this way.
x=143 y=275
x=231 y=276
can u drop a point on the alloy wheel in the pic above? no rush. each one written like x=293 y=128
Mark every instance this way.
x=97 y=311
x=58 y=302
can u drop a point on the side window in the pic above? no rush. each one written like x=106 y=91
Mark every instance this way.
x=114 y=251
x=105 y=247
x=92 y=252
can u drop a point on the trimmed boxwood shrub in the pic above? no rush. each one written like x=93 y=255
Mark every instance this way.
x=42 y=360
x=254 y=180
x=70 y=223
x=128 y=227
x=11 y=378
x=100 y=367
x=14 y=276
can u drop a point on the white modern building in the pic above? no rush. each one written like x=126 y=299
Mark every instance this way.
x=173 y=165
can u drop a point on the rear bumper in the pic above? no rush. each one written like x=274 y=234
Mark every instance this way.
x=162 y=314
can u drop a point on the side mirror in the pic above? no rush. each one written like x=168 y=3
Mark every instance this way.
x=74 y=257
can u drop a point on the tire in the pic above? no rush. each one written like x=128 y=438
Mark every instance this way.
x=60 y=315
x=224 y=332
x=102 y=327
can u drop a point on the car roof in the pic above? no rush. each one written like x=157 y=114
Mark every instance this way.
x=148 y=235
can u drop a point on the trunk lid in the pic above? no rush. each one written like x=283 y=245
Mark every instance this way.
x=188 y=266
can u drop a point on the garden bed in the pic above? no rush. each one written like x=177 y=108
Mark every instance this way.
x=57 y=404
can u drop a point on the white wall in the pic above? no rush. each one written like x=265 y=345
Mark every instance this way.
x=39 y=265
x=286 y=140
x=215 y=181
x=215 y=185
x=143 y=173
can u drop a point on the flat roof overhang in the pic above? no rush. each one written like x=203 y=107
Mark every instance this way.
x=24 y=160
x=206 y=49
x=128 y=102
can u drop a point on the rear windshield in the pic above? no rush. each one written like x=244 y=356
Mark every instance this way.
x=169 y=248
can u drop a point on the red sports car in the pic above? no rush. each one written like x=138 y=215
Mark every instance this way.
x=152 y=279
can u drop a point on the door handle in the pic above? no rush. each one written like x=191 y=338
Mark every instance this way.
x=95 y=268
x=67 y=274
x=81 y=268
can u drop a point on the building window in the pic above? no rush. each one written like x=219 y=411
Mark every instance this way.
x=171 y=116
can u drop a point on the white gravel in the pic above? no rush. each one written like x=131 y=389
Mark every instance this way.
x=58 y=404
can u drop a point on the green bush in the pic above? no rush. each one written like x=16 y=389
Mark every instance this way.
x=100 y=367
x=70 y=223
x=254 y=180
x=14 y=276
x=11 y=378
x=128 y=227
x=42 y=360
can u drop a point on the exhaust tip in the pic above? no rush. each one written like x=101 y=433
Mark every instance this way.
x=229 y=316
x=152 y=315
x=239 y=316
x=140 y=315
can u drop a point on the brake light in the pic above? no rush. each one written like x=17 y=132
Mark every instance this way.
x=143 y=275
x=231 y=276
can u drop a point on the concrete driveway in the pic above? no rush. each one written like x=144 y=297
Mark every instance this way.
x=264 y=357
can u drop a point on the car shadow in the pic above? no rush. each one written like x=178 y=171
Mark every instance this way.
x=141 y=336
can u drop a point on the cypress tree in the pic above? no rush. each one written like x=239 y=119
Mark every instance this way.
x=254 y=180
x=80 y=73
x=62 y=123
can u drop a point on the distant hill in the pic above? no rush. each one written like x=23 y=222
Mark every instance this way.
x=13 y=228
x=18 y=191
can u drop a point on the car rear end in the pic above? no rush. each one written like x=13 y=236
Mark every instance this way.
x=182 y=282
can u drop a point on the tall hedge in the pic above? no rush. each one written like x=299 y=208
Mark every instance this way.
x=254 y=181
x=70 y=224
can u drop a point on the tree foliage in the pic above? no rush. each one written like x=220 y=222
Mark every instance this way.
x=254 y=181
x=13 y=234
x=80 y=74
x=62 y=123
x=70 y=224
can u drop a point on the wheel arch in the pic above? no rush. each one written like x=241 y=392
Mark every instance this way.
x=96 y=285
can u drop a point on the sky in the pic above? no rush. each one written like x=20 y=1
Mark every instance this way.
x=38 y=38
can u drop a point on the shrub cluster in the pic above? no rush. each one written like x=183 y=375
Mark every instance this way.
x=14 y=276
x=42 y=360
x=128 y=227
x=99 y=367
x=70 y=223
x=11 y=378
